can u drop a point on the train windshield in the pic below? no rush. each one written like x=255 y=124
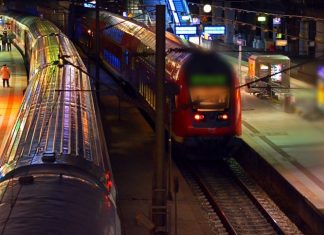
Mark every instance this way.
x=209 y=92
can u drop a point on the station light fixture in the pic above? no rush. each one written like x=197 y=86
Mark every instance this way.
x=207 y=8
x=262 y=18
x=279 y=35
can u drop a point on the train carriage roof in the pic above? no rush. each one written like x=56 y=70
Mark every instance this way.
x=145 y=35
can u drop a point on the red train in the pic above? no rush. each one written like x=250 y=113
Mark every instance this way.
x=208 y=104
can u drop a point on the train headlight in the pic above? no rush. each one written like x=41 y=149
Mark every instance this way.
x=199 y=117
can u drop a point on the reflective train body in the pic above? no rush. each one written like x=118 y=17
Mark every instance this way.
x=208 y=103
x=55 y=171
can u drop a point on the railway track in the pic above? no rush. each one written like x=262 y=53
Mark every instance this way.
x=234 y=203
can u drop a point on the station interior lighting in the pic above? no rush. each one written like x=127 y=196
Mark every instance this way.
x=207 y=8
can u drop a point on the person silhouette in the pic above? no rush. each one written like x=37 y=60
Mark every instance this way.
x=5 y=73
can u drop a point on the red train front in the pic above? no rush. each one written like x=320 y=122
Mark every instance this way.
x=208 y=104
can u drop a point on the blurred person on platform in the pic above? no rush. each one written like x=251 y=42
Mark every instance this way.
x=4 y=41
x=9 y=41
x=5 y=73
x=10 y=38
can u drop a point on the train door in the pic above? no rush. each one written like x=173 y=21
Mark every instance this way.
x=125 y=65
x=134 y=71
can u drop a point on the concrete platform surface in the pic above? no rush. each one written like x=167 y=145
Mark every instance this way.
x=292 y=143
x=11 y=98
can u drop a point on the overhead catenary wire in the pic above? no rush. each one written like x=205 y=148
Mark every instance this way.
x=234 y=21
x=261 y=12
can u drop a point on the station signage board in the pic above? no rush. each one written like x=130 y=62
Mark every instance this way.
x=276 y=69
x=215 y=29
x=186 y=30
x=281 y=43
x=262 y=18
x=241 y=42
x=276 y=21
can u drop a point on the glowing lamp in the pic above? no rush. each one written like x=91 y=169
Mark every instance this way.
x=262 y=18
x=207 y=8
x=279 y=35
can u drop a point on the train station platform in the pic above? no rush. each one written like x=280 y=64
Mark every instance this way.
x=11 y=98
x=293 y=144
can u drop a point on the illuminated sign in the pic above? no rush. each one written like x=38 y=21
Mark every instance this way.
x=241 y=42
x=91 y=4
x=279 y=35
x=320 y=72
x=186 y=30
x=276 y=68
x=264 y=67
x=208 y=80
x=320 y=88
x=251 y=68
x=185 y=17
x=262 y=18
x=214 y=30
x=195 y=20
x=281 y=43
x=276 y=21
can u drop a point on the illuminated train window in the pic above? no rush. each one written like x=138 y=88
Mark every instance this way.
x=115 y=34
x=112 y=60
x=209 y=92
x=210 y=98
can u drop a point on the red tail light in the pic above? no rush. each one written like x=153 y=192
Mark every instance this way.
x=223 y=117
x=199 y=117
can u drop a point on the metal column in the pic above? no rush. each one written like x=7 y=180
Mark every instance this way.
x=159 y=194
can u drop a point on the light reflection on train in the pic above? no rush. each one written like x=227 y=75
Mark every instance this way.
x=55 y=171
